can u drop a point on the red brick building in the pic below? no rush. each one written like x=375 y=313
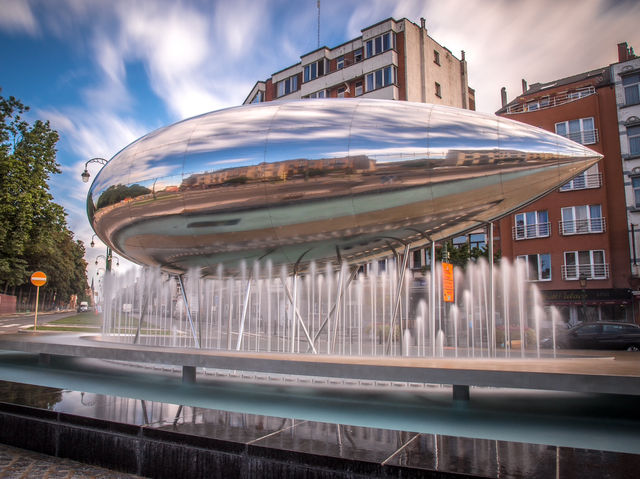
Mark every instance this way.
x=575 y=240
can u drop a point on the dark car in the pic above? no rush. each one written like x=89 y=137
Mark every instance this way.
x=600 y=335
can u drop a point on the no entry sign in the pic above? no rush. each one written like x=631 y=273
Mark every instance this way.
x=38 y=278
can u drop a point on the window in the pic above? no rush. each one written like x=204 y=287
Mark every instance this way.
x=340 y=63
x=436 y=57
x=438 y=90
x=590 y=178
x=341 y=91
x=635 y=184
x=631 y=84
x=633 y=133
x=357 y=55
x=258 y=98
x=318 y=94
x=538 y=266
x=532 y=224
x=315 y=70
x=380 y=44
x=288 y=85
x=581 y=130
x=416 y=258
x=588 y=263
x=380 y=78
x=581 y=220
x=358 y=89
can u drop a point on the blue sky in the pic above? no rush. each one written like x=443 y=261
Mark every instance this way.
x=106 y=72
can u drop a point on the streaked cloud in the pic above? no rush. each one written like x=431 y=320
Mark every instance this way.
x=17 y=16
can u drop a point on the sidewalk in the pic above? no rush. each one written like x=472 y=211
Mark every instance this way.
x=19 y=463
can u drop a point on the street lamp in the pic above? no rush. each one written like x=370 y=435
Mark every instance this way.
x=85 y=175
x=105 y=259
x=583 y=285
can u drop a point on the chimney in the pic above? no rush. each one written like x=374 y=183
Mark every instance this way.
x=524 y=86
x=625 y=52
x=462 y=55
x=423 y=23
x=503 y=96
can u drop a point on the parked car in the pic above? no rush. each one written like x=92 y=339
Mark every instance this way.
x=599 y=335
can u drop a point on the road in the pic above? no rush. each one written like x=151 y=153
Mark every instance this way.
x=11 y=324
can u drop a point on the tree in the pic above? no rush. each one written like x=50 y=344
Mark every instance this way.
x=33 y=229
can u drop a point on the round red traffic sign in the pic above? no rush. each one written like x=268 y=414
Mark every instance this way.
x=38 y=278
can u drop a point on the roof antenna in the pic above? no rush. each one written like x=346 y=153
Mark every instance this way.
x=318 y=23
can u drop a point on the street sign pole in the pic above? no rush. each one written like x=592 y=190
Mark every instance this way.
x=35 y=320
x=38 y=279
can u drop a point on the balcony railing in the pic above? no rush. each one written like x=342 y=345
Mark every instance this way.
x=551 y=101
x=586 y=137
x=590 y=271
x=583 y=182
x=537 y=230
x=581 y=227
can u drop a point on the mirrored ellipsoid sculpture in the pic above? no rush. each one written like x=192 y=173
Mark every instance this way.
x=314 y=179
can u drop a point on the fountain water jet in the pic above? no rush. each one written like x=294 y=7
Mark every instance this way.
x=330 y=310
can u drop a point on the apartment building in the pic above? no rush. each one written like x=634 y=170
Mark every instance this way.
x=626 y=77
x=393 y=59
x=574 y=240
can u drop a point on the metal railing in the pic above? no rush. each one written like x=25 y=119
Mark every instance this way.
x=581 y=227
x=583 y=182
x=536 y=230
x=551 y=101
x=585 y=137
x=590 y=271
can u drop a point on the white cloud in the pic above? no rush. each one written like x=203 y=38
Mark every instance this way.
x=541 y=41
x=17 y=16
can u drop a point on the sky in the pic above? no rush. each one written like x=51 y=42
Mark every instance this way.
x=106 y=72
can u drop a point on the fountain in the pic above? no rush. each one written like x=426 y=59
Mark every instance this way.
x=330 y=311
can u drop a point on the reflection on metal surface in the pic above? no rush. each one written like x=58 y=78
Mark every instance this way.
x=278 y=179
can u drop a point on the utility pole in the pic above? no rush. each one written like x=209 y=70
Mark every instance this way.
x=318 y=23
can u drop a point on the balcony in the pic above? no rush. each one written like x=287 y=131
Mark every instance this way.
x=536 y=230
x=585 y=137
x=581 y=227
x=590 y=271
x=583 y=182
x=551 y=101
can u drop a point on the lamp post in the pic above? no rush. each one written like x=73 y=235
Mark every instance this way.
x=583 y=285
x=85 y=175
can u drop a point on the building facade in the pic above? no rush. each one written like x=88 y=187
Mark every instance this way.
x=626 y=77
x=574 y=241
x=393 y=60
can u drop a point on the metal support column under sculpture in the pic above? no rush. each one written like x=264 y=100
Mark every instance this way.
x=188 y=310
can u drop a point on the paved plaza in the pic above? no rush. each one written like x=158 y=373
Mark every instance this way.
x=19 y=463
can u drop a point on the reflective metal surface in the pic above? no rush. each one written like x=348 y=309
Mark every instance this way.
x=318 y=178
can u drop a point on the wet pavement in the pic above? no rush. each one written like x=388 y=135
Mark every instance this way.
x=18 y=464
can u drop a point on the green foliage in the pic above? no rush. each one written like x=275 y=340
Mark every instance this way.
x=33 y=231
x=116 y=193
x=462 y=254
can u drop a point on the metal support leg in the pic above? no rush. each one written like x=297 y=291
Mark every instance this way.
x=432 y=298
x=244 y=313
x=143 y=311
x=44 y=359
x=331 y=313
x=299 y=318
x=188 y=374
x=460 y=392
x=492 y=295
x=188 y=309
x=396 y=307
